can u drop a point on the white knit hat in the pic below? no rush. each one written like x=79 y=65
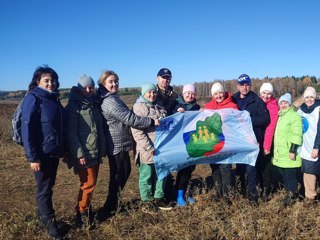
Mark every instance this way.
x=267 y=87
x=310 y=92
x=286 y=97
x=216 y=87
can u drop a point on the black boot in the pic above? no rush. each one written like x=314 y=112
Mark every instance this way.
x=266 y=195
x=53 y=229
x=288 y=200
x=83 y=221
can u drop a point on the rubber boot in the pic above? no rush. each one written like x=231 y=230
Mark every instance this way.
x=181 y=202
x=191 y=200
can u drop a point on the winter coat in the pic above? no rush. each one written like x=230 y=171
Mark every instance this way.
x=145 y=138
x=118 y=120
x=273 y=109
x=85 y=132
x=42 y=127
x=288 y=131
x=258 y=111
x=193 y=106
x=226 y=103
x=167 y=99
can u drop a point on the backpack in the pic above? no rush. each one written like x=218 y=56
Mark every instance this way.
x=16 y=121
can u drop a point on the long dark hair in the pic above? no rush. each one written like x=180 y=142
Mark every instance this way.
x=38 y=73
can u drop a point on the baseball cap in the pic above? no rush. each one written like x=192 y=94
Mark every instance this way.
x=164 y=72
x=244 y=78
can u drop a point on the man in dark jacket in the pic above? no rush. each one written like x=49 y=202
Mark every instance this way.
x=248 y=100
x=167 y=98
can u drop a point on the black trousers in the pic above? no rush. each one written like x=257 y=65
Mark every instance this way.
x=263 y=166
x=221 y=174
x=183 y=177
x=120 y=169
x=290 y=178
x=45 y=180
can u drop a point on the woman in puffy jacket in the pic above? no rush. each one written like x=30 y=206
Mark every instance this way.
x=42 y=135
x=287 y=138
x=86 y=144
x=221 y=173
x=150 y=187
x=263 y=167
x=118 y=120
x=186 y=102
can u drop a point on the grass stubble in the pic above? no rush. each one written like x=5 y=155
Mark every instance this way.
x=207 y=219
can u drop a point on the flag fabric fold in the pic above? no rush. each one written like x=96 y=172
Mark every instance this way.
x=204 y=137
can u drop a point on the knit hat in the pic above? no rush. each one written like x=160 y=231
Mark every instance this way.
x=145 y=87
x=267 y=87
x=310 y=92
x=216 y=87
x=188 y=88
x=286 y=97
x=85 y=81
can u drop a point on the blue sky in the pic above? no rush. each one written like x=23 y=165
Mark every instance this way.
x=201 y=40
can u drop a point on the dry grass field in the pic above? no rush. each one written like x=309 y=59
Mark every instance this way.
x=207 y=219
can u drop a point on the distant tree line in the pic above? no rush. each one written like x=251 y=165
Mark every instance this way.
x=282 y=85
x=294 y=85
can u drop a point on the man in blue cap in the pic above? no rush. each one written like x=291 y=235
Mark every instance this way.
x=260 y=118
x=166 y=96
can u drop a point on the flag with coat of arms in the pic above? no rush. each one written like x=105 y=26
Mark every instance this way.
x=222 y=136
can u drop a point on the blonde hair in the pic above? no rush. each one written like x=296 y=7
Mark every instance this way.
x=105 y=74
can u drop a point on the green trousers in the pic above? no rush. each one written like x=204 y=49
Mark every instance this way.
x=149 y=185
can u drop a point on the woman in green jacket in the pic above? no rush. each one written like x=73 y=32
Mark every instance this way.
x=86 y=144
x=287 y=138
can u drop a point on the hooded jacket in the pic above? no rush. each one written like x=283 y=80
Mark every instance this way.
x=85 y=132
x=42 y=127
x=288 y=131
x=145 y=138
x=226 y=103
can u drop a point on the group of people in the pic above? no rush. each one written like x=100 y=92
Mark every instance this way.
x=96 y=124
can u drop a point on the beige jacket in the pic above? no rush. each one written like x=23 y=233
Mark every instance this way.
x=145 y=138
